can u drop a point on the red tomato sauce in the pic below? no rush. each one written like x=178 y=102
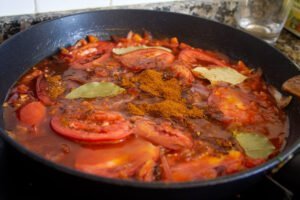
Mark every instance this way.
x=160 y=138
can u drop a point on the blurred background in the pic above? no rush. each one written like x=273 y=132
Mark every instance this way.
x=18 y=7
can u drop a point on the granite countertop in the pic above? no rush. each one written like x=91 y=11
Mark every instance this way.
x=218 y=10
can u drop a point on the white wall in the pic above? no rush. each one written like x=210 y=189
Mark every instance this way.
x=17 y=7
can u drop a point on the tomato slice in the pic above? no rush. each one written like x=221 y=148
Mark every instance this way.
x=32 y=113
x=103 y=129
x=133 y=158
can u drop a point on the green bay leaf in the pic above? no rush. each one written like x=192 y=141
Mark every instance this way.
x=216 y=74
x=95 y=89
x=121 y=51
x=255 y=145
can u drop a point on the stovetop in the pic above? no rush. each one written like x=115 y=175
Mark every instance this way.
x=16 y=183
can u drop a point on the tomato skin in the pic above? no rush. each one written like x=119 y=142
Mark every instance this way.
x=117 y=131
x=32 y=113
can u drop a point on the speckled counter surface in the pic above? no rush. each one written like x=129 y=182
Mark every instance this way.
x=219 y=10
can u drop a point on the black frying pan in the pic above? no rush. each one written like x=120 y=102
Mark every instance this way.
x=27 y=48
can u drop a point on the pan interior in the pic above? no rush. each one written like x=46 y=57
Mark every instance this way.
x=27 y=48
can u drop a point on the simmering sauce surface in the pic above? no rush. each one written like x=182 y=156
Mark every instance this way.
x=146 y=109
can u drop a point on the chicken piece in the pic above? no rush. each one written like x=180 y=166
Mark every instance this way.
x=86 y=55
x=147 y=59
x=231 y=105
x=194 y=57
x=182 y=72
x=163 y=134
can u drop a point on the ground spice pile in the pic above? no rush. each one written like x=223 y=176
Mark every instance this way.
x=55 y=87
x=172 y=104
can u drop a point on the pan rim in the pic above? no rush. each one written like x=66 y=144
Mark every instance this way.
x=36 y=26
x=285 y=154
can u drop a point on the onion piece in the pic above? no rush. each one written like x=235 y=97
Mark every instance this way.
x=281 y=101
x=125 y=50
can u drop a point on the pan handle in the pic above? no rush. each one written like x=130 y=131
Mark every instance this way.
x=284 y=162
x=288 y=193
x=271 y=175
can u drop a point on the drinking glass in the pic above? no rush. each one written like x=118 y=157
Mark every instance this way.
x=263 y=18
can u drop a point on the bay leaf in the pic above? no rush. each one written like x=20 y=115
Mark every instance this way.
x=95 y=89
x=255 y=145
x=121 y=51
x=224 y=74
